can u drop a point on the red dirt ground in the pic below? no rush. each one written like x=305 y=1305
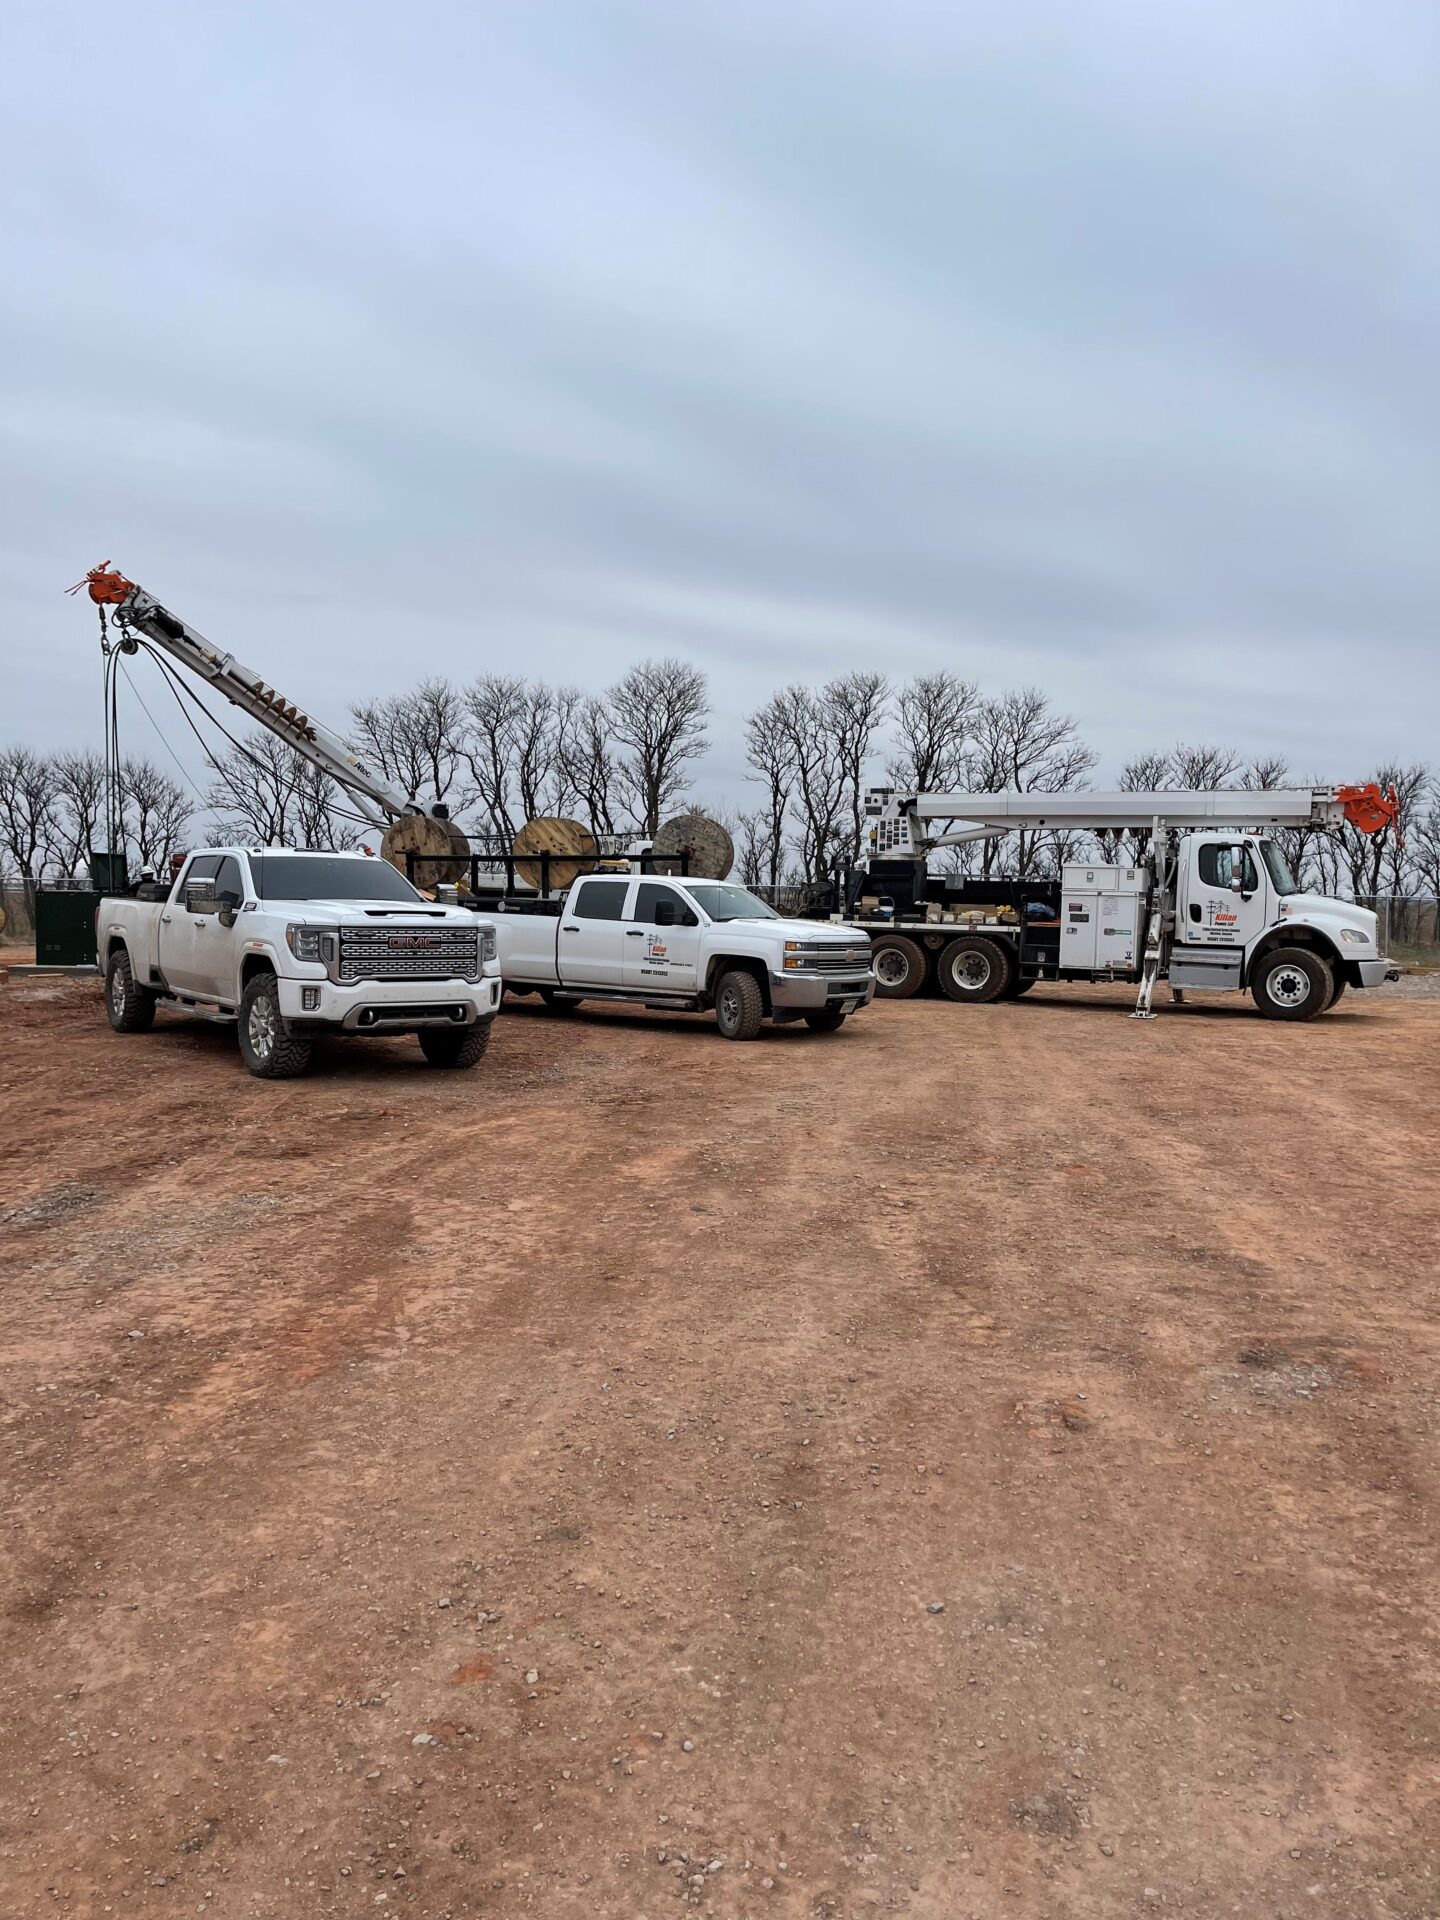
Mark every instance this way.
x=528 y=1492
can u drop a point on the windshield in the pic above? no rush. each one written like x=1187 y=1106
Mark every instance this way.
x=1278 y=868
x=723 y=902
x=280 y=876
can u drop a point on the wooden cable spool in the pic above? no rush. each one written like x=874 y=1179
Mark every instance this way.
x=441 y=848
x=711 y=850
x=570 y=844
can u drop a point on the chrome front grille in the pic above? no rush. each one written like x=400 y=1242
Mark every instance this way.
x=388 y=952
x=853 y=959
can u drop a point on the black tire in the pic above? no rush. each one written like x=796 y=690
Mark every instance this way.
x=463 y=1048
x=830 y=1021
x=1340 y=985
x=899 y=965
x=1292 y=983
x=267 y=1046
x=130 y=1007
x=553 y=1003
x=739 y=1005
x=974 y=969
x=1015 y=986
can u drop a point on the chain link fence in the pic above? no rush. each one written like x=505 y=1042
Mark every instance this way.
x=1409 y=928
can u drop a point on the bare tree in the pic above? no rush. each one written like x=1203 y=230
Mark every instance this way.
x=267 y=793
x=799 y=721
x=155 y=811
x=936 y=713
x=1265 y=771
x=416 y=740
x=1376 y=862
x=80 y=806
x=27 y=815
x=770 y=753
x=854 y=706
x=1022 y=745
x=1204 y=769
x=585 y=763
x=657 y=715
x=493 y=704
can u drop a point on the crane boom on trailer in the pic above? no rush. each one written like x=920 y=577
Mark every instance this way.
x=1208 y=902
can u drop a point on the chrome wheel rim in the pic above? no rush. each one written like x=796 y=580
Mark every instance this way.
x=972 y=971
x=892 y=968
x=260 y=1027
x=730 y=1006
x=117 y=992
x=1287 y=987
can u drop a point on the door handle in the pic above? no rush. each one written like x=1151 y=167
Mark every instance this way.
x=634 y=933
x=164 y=919
x=569 y=929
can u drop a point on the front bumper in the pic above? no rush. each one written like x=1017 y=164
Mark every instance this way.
x=1374 y=973
x=389 y=1006
x=810 y=992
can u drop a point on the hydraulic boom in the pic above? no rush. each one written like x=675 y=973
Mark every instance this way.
x=139 y=613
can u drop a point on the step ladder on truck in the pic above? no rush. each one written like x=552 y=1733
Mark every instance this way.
x=1207 y=903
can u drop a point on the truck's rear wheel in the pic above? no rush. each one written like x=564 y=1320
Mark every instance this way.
x=1292 y=984
x=899 y=966
x=131 y=1007
x=973 y=968
x=465 y=1048
x=739 y=1005
x=267 y=1046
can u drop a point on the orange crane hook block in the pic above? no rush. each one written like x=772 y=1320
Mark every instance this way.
x=1367 y=807
x=108 y=588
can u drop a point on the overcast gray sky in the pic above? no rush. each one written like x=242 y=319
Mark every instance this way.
x=1085 y=344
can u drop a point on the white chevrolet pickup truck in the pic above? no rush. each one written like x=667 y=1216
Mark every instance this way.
x=686 y=946
x=289 y=945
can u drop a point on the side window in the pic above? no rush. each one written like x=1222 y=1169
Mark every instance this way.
x=228 y=880
x=204 y=866
x=662 y=906
x=601 y=899
x=1217 y=864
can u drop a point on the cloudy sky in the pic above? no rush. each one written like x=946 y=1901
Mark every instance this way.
x=1089 y=345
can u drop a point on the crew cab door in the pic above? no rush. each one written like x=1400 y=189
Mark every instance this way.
x=1213 y=919
x=662 y=939
x=187 y=923
x=591 y=936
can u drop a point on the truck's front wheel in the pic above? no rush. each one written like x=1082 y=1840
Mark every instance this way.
x=130 y=1006
x=975 y=969
x=1292 y=984
x=267 y=1046
x=739 y=1005
x=463 y=1049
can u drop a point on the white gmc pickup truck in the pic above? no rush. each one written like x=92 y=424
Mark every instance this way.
x=292 y=945
x=686 y=946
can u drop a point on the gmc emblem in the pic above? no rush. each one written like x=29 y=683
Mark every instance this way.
x=413 y=940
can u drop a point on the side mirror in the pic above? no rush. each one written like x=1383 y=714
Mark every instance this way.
x=665 y=914
x=1238 y=858
x=689 y=917
x=200 y=896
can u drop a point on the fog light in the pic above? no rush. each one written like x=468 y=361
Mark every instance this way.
x=310 y=999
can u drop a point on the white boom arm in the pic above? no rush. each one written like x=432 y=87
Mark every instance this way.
x=901 y=818
x=139 y=612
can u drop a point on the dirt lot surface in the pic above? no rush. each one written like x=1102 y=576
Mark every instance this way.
x=980 y=1463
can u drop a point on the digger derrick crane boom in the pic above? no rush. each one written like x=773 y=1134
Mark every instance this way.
x=137 y=612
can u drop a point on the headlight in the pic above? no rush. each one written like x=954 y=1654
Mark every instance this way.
x=1354 y=933
x=487 y=943
x=316 y=944
x=792 y=946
